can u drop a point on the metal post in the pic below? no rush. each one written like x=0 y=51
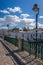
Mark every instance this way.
x=36 y=9
x=36 y=25
x=41 y=51
x=36 y=36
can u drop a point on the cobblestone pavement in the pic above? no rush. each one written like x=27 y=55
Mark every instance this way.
x=22 y=56
x=4 y=59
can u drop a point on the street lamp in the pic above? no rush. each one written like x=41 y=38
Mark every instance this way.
x=36 y=9
x=8 y=28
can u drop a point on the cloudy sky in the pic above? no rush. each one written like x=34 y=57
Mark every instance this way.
x=18 y=13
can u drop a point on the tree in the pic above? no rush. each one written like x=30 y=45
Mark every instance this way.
x=15 y=29
x=26 y=29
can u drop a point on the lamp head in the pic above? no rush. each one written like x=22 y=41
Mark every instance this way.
x=35 y=8
x=7 y=25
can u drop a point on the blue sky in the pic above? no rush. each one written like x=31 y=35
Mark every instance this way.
x=18 y=13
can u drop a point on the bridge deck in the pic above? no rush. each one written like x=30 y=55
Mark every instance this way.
x=23 y=57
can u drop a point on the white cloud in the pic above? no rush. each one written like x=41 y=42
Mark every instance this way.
x=0 y=24
x=24 y=15
x=4 y=11
x=8 y=10
x=14 y=20
x=2 y=19
x=3 y=28
x=40 y=25
x=30 y=23
x=40 y=16
x=29 y=20
x=15 y=9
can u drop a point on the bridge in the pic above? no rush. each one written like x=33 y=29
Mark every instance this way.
x=10 y=55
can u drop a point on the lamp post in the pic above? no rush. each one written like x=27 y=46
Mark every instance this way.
x=8 y=28
x=36 y=9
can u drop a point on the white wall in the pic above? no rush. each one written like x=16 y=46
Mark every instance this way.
x=26 y=34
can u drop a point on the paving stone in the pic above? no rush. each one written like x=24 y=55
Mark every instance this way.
x=4 y=60
x=23 y=56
